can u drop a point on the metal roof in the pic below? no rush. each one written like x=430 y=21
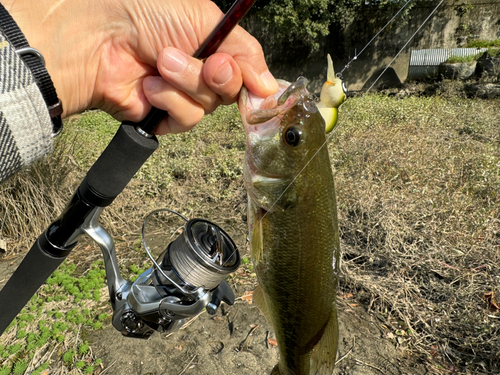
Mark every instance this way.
x=424 y=63
x=425 y=57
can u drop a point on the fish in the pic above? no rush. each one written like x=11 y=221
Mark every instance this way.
x=293 y=225
x=333 y=94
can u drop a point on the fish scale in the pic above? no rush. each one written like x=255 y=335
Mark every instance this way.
x=294 y=233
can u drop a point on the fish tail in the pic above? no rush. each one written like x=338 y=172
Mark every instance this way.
x=276 y=370
x=303 y=369
x=325 y=351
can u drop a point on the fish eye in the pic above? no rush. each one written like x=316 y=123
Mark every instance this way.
x=292 y=136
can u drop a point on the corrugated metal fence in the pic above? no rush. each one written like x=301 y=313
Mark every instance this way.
x=424 y=63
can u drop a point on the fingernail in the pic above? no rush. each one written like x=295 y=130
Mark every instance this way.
x=223 y=74
x=174 y=60
x=269 y=81
x=151 y=83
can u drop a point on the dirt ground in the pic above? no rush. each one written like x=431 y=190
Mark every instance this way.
x=235 y=341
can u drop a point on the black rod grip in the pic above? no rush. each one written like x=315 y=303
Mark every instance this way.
x=116 y=166
x=33 y=271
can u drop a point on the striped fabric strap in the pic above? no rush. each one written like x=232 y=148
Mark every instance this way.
x=34 y=61
x=25 y=125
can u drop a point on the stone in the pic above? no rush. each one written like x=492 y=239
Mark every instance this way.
x=457 y=71
x=488 y=65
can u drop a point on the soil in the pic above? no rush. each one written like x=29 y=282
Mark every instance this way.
x=235 y=341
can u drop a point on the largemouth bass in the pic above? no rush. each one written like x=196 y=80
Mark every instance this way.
x=292 y=217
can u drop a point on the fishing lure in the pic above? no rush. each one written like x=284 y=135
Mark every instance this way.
x=333 y=94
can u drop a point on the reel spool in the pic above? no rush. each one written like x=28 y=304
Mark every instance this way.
x=199 y=258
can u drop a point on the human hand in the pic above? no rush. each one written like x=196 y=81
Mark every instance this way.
x=124 y=56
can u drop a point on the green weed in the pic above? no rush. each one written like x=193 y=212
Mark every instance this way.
x=68 y=356
x=463 y=59
x=484 y=43
x=20 y=367
x=84 y=348
x=37 y=328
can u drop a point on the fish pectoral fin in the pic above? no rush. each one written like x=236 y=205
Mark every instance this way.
x=260 y=300
x=256 y=241
x=325 y=351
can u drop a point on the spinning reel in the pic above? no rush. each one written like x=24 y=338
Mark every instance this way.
x=186 y=278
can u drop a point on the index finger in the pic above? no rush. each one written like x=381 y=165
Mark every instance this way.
x=248 y=54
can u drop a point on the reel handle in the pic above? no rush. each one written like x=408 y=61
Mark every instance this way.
x=223 y=293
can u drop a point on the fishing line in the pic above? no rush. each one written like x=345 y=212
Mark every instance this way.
x=352 y=110
x=406 y=44
x=349 y=113
x=356 y=55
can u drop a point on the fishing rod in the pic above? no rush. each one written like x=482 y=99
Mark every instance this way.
x=187 y=277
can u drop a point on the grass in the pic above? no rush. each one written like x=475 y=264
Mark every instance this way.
x=31 y=198
x=491 y=52
x=48 y=332
x=418 y=186
x=462 y=59
x=484 y=43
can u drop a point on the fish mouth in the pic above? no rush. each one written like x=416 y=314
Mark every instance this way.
x=263 y=119
x=263 y=115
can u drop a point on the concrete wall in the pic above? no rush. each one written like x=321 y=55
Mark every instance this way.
x=452 y=25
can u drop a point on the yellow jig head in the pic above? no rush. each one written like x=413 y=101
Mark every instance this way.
x=333 y=94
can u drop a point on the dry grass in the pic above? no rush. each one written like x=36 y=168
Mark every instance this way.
x=418 y=185
x=33 y=197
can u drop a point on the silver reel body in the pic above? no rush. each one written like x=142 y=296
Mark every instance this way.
x=185 y=279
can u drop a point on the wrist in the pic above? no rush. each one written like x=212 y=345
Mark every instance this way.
x=46 y=27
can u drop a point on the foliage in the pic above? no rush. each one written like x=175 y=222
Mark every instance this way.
x=462 y=59
x=491 y=52
x=297 y=23
x=297 y=20
x=484 y=43
x=20 y=367
x=60 y=310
